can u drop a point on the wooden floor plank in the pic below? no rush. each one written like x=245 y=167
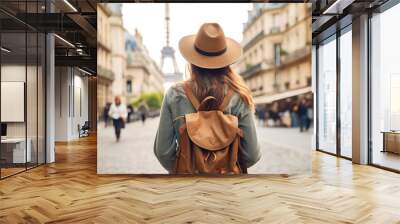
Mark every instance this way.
x=70 y=191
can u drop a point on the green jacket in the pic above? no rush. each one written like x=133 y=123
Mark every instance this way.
x=176 y=104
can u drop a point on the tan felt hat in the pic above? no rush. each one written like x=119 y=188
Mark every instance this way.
x=209 y=48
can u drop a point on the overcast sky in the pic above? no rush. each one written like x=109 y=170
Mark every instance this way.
x=185 y=19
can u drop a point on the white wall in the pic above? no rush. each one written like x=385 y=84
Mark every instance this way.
x=12 y=73
x=71 y=87
x=61 y=103
x=80 y=108
x=385 y=75
x=33 y=125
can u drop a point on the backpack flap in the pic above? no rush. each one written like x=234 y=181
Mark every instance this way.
x=212 y=130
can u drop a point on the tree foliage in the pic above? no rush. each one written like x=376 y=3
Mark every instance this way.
x=152 y=100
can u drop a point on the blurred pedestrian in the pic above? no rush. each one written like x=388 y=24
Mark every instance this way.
x=303 y=115
x=143 y=117
x=106 y=117
x=294 y=115
x=275 y=115
x=118 y=113
x=286 y=119
x=276 y=118
x=310 y=114
x=143 y=110
x=261 y=117
x=130 y=112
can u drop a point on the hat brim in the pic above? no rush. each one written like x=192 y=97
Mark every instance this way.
x=230 y=56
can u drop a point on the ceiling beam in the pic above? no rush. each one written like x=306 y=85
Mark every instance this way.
x=83 y=23
x=321 y=23
x=337 y=7
x=82 y=61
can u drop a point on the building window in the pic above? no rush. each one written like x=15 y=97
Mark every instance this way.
x=346 y=94
x=129 y=86
x=309 y=81
x=327 y=96
x=277 y=53
x=275 y=20
x=22 y=100
x=287 y=85
x=385 y=89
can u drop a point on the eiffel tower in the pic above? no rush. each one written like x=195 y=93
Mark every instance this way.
x=169 y=52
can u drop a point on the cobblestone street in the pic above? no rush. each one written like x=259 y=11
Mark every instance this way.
x=284 y=150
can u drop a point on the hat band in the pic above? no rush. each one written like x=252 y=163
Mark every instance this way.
x=207 y=53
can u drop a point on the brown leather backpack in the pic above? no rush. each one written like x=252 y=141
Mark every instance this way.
x=209 y=140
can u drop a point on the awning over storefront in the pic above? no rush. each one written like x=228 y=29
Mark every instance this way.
x=280 y=96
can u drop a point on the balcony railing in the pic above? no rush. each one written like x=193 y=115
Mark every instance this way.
x=254 y=69
x=251 y=70
x=253 y=40
x=275 y=29
x=296 y=55
x=105 y=73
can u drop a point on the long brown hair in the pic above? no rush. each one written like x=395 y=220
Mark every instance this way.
x=211 y=82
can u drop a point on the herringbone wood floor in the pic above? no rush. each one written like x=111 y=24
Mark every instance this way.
x=69 y=191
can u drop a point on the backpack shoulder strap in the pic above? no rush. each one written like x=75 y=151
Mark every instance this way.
x=189 y=93
x=226 y=99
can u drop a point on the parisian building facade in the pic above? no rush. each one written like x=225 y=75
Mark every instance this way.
x=118 y=54
x=276 y=62
x=105 y=74
x=124 y=65
x=142 y=74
